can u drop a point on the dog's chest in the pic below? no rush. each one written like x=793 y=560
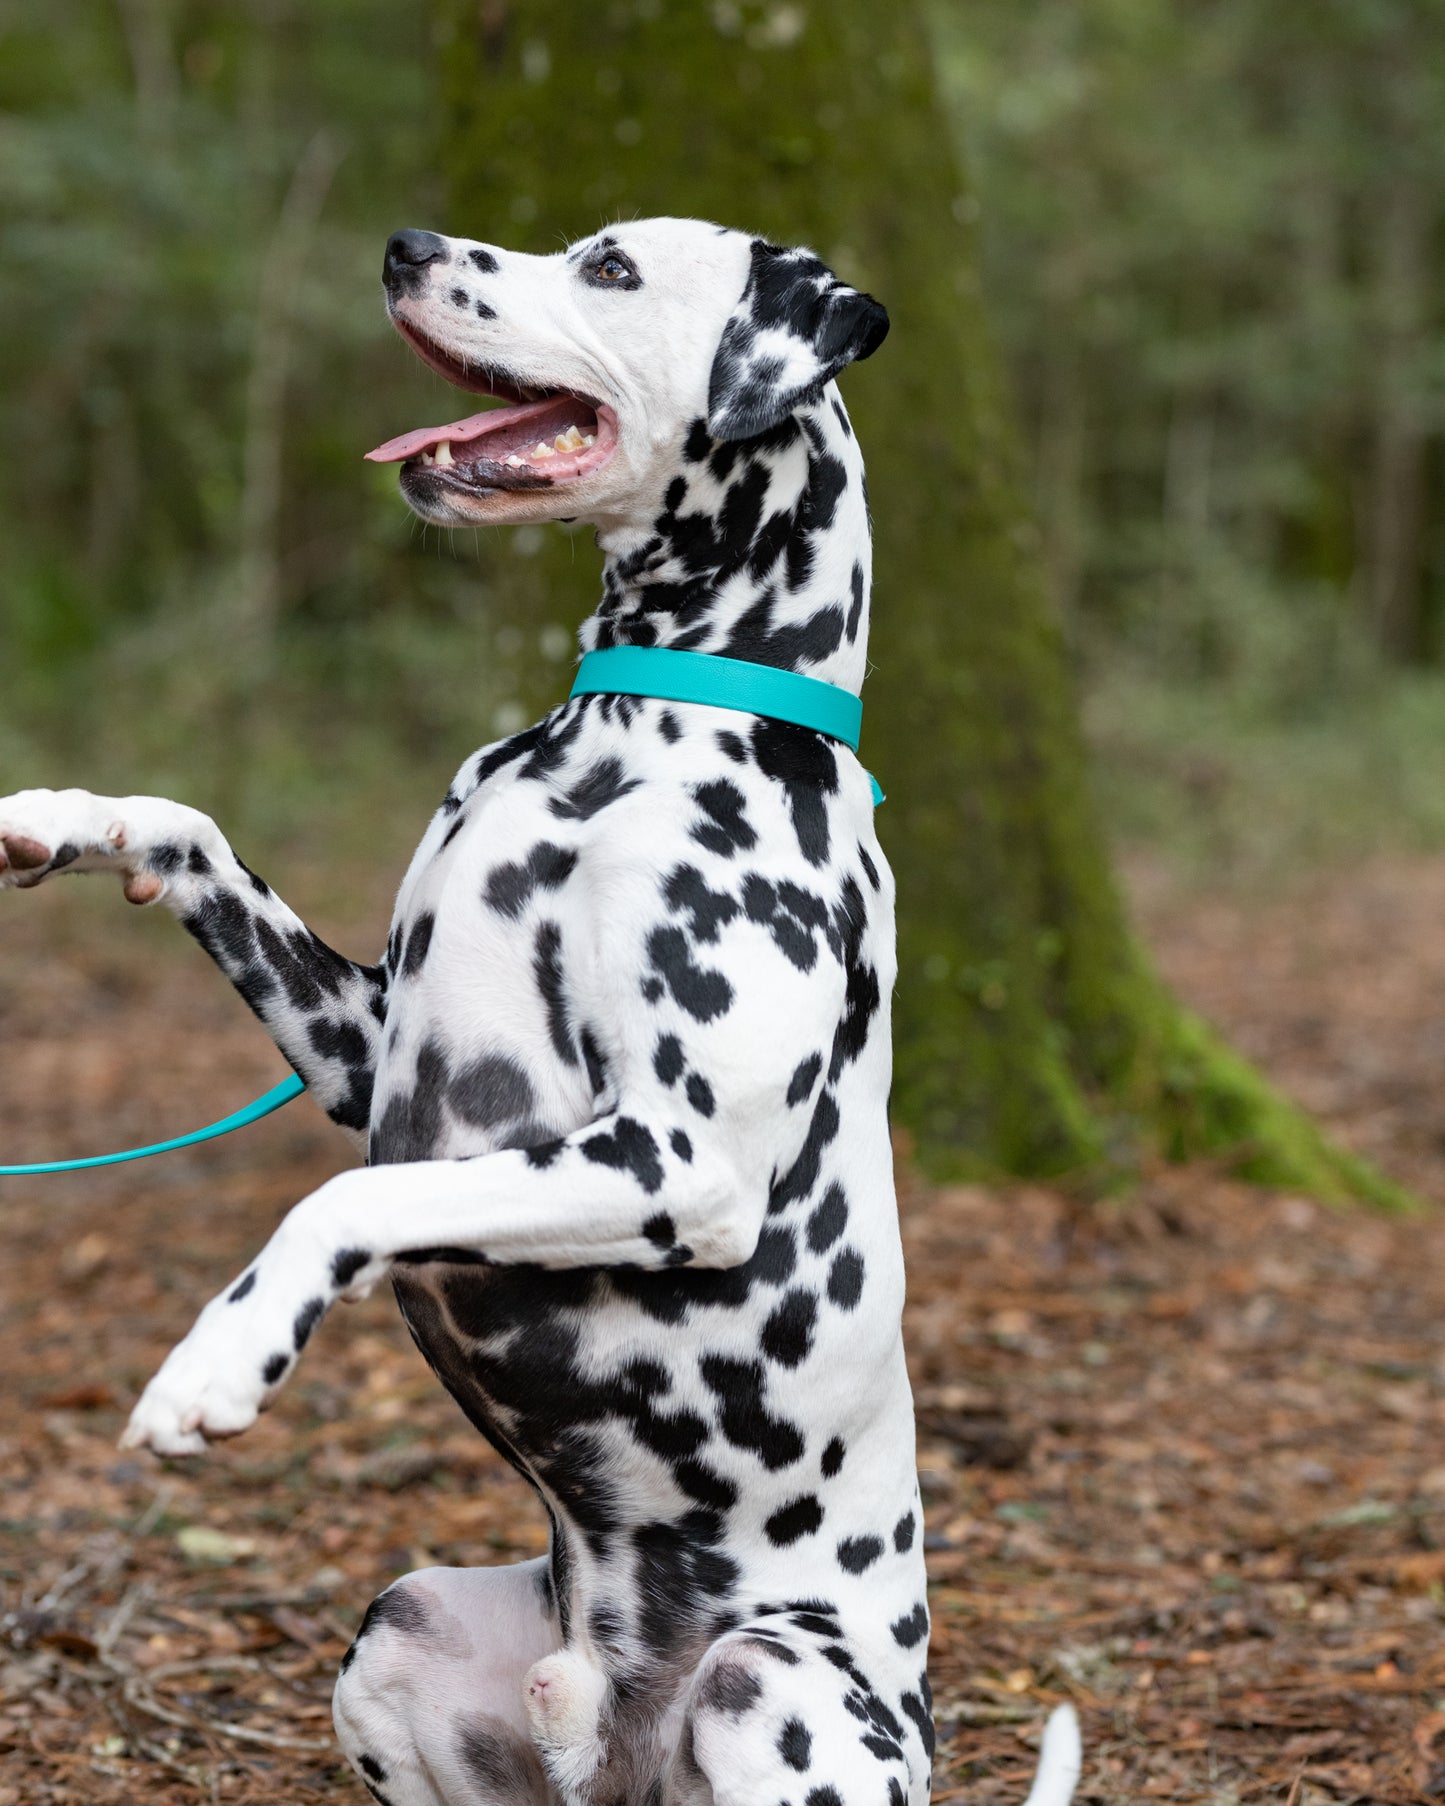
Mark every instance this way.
x=584 y=914
x=494 y=1010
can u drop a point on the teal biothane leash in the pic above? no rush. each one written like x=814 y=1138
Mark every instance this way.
x=660 y=672
x=291 y=1086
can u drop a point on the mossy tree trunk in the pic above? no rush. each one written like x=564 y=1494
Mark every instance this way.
x=1032 y=1036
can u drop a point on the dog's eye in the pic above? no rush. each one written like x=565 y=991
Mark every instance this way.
x=611 y=269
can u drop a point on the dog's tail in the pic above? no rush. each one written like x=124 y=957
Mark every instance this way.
x=1061 y=1757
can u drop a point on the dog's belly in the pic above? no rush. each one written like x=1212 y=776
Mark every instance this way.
x=688 y=1476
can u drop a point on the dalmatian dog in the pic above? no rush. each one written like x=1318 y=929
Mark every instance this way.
x=621 y=1080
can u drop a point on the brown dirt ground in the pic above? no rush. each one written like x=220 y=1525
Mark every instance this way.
x=1181 y=1455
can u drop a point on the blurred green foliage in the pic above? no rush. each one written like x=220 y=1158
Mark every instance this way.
x=1211 y=240
x=202 y=587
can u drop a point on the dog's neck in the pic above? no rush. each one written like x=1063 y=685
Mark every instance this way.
x=760 y=550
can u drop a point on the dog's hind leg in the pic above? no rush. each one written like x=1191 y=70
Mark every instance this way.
x=777 y=1713
x=323 y=1011
x=430 y=1703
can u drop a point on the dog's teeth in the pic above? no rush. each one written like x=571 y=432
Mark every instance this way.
x=542 y=450
x=589 y=439
x=516 y=462
x=444 y=453
x=427 y=460
x=571 y=440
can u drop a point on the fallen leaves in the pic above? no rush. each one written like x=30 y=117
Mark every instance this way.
x=1181 y=1456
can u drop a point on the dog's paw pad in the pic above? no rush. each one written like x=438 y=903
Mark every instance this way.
x=24 y=854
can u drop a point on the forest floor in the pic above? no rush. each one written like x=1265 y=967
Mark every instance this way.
x=1181 y=1453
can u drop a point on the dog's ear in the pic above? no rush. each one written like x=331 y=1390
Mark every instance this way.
x=793 y=330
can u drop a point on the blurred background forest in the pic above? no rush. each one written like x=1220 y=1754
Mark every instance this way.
x=1198 y=248
x=1209 y=240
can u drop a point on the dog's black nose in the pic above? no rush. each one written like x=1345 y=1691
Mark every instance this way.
x=408 y=253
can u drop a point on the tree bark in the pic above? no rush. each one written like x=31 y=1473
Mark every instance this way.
x=1032 y=1036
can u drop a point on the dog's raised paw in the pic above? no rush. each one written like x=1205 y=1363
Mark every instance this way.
x=48 y=831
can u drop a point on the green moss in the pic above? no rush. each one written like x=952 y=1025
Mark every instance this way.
x=1031 y=1038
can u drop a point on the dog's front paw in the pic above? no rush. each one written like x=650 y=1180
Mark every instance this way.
x=47 y=831
x=214 y=1384
x=194 y=1400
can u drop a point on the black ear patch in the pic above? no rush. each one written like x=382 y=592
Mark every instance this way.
x=793 y=330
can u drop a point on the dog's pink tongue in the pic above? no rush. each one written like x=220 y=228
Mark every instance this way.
x=411 y=445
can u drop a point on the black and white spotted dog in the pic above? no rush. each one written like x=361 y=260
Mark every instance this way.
x=622 y=1077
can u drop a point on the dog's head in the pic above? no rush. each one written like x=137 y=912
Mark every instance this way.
x=605 y=357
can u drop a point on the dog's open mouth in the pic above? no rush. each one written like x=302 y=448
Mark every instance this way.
x=546 y=436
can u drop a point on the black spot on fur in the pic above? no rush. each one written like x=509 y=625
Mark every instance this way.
x=502 y=1763
x=858 y=1553
x=346 y=1263
x=704 y=993
x=667 y=1060
x=242 y=1288
x=855 y=606
x=681 y=1576
x=483 y=260
x=598 y=788
x=917 y=1710
x=274 y=1368
x=307 y=1318
x=417 y=943
x=912 y=1628
x=699 y=1094
x=791 y=1522
x=832 y=1460
x=802 y=1175
x=490 y=1091
x=795 y=1744
x=371 y=1768
x=710 y=910
x=800 y=1086
x=411 y=1123
x=594 y=1060
x=547 y=969
x=829 y=1220
x=788 y=1333
x=680 y=1145
x=845 y=1279
x=547 y=867
x=746 y=1422
x=630 y=1147
x=805 y=764
x=399 y=1608
x=724 y=827
x=728 y=1688
x=827 y=480
x=903 y=1533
